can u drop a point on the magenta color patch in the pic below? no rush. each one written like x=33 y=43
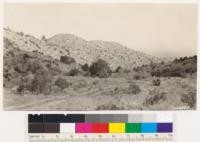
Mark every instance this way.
x=83 y=128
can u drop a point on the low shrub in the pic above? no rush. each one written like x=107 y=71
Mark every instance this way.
x=139 y=75
x=190 y=68
x=67 y=59
x=156 y=82
x=62 y=83
x=134 y=89
x=85 y=67
x=155 y=97
x=189 y=99
x=156 y=73
x=177 y=71
x=109 y=106
x=40 y=83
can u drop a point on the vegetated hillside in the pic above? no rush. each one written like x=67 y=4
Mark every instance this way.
x=177 y=68
x=61 y=73
x=81 y=50
x=21 y=67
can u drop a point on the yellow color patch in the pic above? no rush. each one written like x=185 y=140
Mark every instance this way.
x=116 y=127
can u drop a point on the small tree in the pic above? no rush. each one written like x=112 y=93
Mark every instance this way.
x=43 y=38
x=67 y=59
x=100 y=68
x=41 y=82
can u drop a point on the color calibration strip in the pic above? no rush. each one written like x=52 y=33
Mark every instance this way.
x=100 y=123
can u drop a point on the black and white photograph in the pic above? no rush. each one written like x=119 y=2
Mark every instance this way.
x=99 y=56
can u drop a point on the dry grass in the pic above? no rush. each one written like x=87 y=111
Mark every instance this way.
x=87 y=93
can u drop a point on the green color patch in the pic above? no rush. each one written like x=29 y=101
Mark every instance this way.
x=133 y=127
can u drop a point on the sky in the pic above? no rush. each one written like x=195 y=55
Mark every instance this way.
x=162 y=30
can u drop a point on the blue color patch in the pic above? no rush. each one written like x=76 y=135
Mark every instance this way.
x=149 y=128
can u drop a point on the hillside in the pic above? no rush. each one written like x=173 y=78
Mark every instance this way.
x=66 y=72
x=81 y=50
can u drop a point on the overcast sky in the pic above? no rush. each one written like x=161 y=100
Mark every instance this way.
x=158 y=29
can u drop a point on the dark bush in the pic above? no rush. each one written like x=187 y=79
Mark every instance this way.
x=62 y=83
x=118 y=69
x=100 y=68
x=85 y=67
x=156 y=82
x=136 y=76
x=67 y=59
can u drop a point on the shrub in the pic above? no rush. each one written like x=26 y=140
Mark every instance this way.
x=109 y=106
x=165 y=72
x=62 y=83
x=156 y=82
x=189 y=99
x=139 y=75
x=36 y=83
x=191 y=68
x=73 y=72
x=20 y=88
x=155 y=98
x=67 y=59
x=177 y=71
x=134 y=88
x=35 y=66
x=156 y=73
x=40 y=83
x=100 y=68
x=136 y=76
x=126 y=71
x=118 y=69
x=20 y=33
x=85 y=67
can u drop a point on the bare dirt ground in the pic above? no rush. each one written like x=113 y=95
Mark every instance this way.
x=87 y=93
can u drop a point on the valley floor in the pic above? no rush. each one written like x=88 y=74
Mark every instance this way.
x=87 y=93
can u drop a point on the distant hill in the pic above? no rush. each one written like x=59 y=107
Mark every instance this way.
x=81 y=50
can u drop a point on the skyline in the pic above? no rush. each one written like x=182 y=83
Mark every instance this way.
x=162 y=30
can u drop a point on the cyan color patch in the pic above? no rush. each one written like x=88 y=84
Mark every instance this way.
x=149 y=128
